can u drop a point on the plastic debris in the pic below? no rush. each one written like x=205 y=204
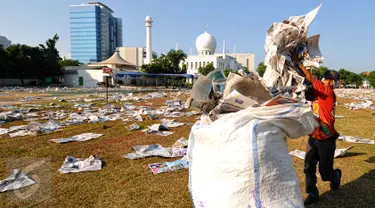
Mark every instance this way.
x=78 y=138
x=75 y=165
x=15 y=181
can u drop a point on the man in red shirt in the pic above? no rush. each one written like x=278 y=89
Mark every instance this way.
x=322 y=142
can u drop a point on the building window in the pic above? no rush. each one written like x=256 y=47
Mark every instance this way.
x=187 y=65
x=204 y=64
x=196 y=65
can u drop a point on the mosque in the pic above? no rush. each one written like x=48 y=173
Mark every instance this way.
x=206 y=48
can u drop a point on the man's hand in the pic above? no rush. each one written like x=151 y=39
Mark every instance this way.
x=307 y=74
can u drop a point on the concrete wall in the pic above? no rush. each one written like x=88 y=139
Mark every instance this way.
x=91 y=77
x=246 y=60
x=133 y=55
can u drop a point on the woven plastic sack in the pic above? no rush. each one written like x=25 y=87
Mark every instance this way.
x=241 y=160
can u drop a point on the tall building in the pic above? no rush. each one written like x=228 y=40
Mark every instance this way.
x=94 y=32
x=5 y=42
x=133 y=55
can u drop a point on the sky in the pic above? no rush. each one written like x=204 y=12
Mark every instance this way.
x=345 y=26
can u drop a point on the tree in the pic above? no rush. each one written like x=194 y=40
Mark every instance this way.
x=154 y=55
x=175 y=58
x=183 y=69
x=319 y=72
x=69 y=62
x=51 y=56
x=169 y=63
x=348 y=78
x=344 y=74
x=207 y=69
x=371 y=78
x=23 y=61
x=3 y=60
x=261 y=69
x=227 y=71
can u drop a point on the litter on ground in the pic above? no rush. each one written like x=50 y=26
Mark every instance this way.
x=75 y=165
x=142 y=151
x=15 y=181
x=358 y=140
x=78 y=138
x=338 y=153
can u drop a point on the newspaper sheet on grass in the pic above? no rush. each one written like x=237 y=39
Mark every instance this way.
x=358 y=140
x=78 y=138
x=162 y=167
x=75 y=165
x=141 y=151
x=15 y=181
x=338 y=153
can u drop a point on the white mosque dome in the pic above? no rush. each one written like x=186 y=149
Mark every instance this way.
x=148 y=19
x=205 y=43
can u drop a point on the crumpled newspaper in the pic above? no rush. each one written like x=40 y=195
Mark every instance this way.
x=282 y=39
x=15 y=181
x=158 y=129
x=171 y=123
x=141 y=151
x=74 y=165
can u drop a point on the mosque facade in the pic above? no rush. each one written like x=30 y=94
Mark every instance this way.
x=206 y=53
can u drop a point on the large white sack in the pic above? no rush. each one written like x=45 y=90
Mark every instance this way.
x=242 y=160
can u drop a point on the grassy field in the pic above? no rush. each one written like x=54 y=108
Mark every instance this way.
x=130 y=183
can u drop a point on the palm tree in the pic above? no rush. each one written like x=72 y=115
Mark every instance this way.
x=176 y=57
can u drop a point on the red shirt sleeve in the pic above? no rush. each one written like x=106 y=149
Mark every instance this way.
x=319 y=88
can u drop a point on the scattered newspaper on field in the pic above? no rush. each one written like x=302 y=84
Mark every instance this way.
x=74 y=165
x=358 y=140
x=78 y=138
x=15 y=181
x=162 y=167
x=338 y=153
x=141 y=151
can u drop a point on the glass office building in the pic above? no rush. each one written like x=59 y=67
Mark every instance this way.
x=94 y=32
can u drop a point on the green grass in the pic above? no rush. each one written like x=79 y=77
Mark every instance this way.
x=130 y=183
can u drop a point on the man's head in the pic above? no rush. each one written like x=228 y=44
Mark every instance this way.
x=331 y=78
